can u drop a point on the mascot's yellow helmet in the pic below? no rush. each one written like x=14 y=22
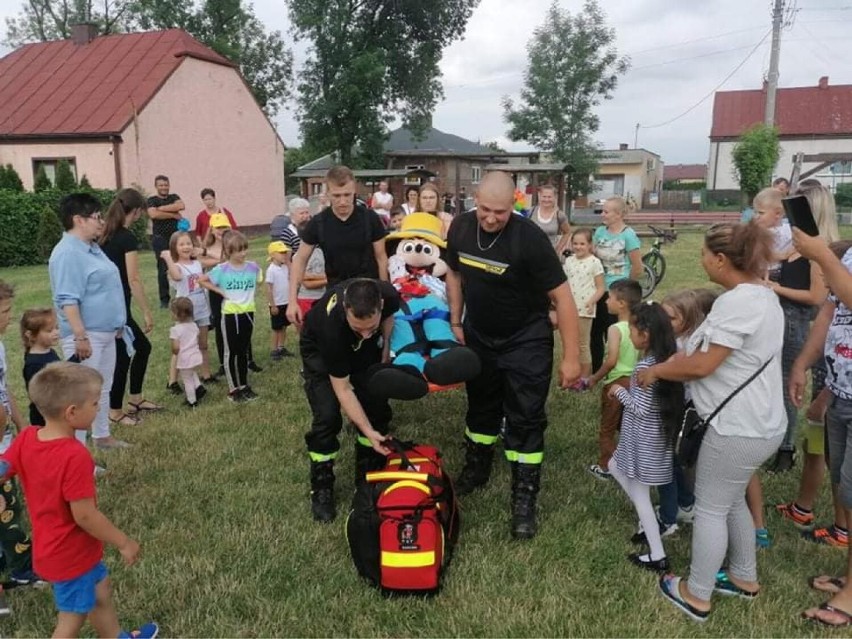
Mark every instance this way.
x=419 y=225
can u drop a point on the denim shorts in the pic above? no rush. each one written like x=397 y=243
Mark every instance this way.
x=78 y=595
x=838 y=424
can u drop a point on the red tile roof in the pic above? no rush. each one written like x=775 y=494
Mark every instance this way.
x=62 y=89
x=800 y=111
x=696 y=172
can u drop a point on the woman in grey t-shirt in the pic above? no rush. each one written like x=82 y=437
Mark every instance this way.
x=551 y=220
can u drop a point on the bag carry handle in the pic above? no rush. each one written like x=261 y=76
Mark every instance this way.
x=738 y=389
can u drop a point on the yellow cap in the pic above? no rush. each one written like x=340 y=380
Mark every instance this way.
x=419 y=225
x=277 y=247
x=219 y=220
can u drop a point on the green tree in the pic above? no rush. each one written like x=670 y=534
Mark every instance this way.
x=494 y=146
x=65 y=182
x=573 y=65
x=755 y=155
x=49 y=232
x=229 y=27
x=294 y=157
x=85 y=185
x=4 y=177
x=42 y=182
x=11 y=179
x=369 y=62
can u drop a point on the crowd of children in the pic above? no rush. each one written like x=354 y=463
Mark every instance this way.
x=216 y=287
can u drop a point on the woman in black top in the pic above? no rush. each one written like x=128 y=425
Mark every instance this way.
x=122 y=247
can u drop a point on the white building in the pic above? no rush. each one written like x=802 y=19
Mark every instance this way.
x=810 y=120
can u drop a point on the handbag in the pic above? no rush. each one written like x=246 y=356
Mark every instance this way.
x=693 y=427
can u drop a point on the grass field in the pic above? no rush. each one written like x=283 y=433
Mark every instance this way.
x=218 y=499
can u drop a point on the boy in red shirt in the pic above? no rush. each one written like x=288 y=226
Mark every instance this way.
x=57 y=473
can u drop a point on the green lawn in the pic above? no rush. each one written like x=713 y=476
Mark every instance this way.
x=218 y=499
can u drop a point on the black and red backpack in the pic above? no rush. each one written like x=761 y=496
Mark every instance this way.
x=404 y=522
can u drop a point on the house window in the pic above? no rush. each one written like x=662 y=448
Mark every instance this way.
x=475 y=173
x=49 y=165
x=841 y=168
x=651 y=165
x=316 y=188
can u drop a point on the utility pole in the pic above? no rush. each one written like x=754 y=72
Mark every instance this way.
x=772 y=80
x=636 y=137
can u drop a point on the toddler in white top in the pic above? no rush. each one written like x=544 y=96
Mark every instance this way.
x=585 y=274
x=184 y=338
x=277 y=296
x=769 y=213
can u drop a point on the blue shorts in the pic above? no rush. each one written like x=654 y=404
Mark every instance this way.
x=78 y=595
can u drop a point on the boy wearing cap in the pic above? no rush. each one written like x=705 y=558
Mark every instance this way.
x=277 y=294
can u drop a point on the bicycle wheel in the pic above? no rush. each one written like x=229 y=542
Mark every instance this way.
x=648 y=281
x=657 y=262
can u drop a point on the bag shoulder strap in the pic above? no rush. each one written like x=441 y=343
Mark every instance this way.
x=738 y=389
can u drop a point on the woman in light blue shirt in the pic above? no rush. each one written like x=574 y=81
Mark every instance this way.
x=89 y=301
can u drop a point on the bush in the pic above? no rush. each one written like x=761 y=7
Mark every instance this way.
x=49 y=232
x=843 y=195
x=26 y=231
x=85 y=185
x=9 y=179
x=65 y=181
x=42 y=182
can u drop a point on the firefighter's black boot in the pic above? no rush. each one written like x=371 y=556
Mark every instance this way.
x=526 y=479
x=366 y=460
x=477 y=467
x=322 y=491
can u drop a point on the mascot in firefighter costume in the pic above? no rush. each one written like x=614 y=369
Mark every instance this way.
x=422 y=343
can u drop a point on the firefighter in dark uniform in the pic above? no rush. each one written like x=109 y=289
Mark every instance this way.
x=503 y=278
x=343 y=343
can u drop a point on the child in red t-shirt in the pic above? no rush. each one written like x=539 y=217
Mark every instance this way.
x=57 y=473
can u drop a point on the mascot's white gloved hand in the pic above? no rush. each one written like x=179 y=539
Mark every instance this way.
x=396 y=268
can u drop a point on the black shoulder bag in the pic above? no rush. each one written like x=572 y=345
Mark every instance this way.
x=692 y=428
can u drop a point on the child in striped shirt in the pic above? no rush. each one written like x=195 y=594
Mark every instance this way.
x=643 y=457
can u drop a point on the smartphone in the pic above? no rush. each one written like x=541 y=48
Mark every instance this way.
x=74 y=358
x=799 y=213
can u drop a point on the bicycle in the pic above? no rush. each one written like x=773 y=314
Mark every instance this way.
x=654 y=262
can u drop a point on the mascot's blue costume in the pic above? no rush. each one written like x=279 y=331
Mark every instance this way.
x=426 y=354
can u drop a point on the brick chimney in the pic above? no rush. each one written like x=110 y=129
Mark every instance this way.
x=84 y=33
x=823 y=82
x=623 y=147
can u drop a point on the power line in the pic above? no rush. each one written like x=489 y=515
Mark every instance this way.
x=686 y=59
x=716 y=88
x=704 y=39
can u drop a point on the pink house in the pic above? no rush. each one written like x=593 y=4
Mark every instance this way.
x=124 y=108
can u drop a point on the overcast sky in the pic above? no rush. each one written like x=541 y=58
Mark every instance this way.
x=680 y=51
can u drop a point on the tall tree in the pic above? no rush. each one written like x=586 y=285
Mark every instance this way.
x=755 y=156
x=229 y=27
x=369 y=62
x=573 y=65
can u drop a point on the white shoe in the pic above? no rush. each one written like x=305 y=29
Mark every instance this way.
x=686 y=515
x=668 y=531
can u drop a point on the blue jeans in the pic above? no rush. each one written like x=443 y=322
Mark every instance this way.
x=676 y=493
x=797 y=322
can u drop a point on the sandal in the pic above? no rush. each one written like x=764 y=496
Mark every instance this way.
x=825 y=583
x=827 y=607
x=145 y=406
x=125 y=420
x=724 y=586
x=670 y=589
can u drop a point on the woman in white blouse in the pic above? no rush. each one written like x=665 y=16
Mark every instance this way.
x=739 y=336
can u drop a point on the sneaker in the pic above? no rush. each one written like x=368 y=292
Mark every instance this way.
x=762 y=538
x=686 y=515
x=100 y=471
x=189 y=404
x=599 y=473
x=831 y=536
x=174 y=388
x=200 y=393
x=802 y=520
x=285 y=353
x=580 y=386
x=784 y=462
x=275 y=355
x=237 y=396
x=27 y=578
x=254 y=368
x=148 y=631
x=249 y=395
